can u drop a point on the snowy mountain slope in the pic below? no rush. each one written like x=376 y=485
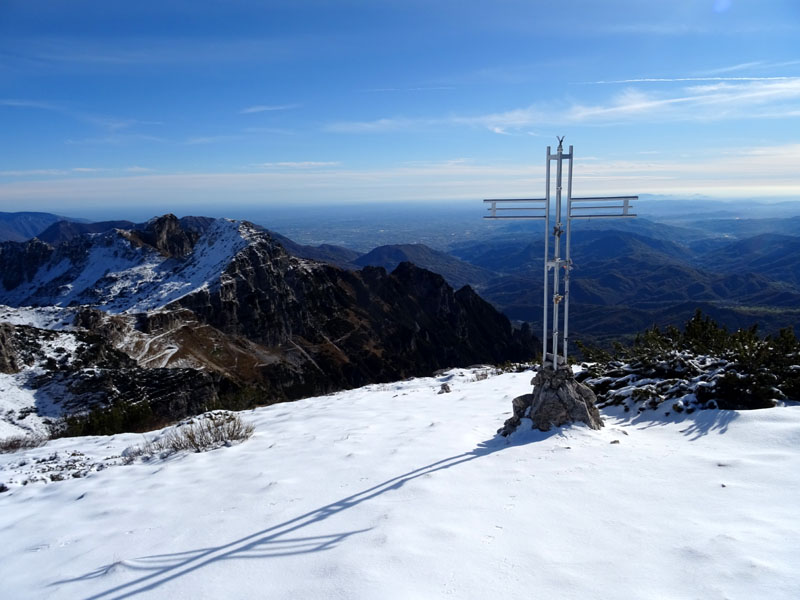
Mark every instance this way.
x=69 y=369
x=395 y=491
x=23 y=409
x=224 y=302
x=116 y=272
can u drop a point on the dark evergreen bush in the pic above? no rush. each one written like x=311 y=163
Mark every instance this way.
x=739 y=370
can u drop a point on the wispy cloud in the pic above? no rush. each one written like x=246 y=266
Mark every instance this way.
x=77 y=171
x=17 y=103
x=710 y=102
x=116 y=139
x=213 y=139
x=34 y=172
x=676 y=29
x=734 y=68
x=305 y=164
x=430 y=88
x=381 y=125
x=270 y=130
x=115 y=53
x=111 y=124
x=259 y=108
x=712 y=99
x=757 y=65
x=689 y=79
x=652 y=28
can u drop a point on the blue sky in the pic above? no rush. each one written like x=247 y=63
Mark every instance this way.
x=177 y=105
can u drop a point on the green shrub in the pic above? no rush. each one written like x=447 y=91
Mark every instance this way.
x=108 y=420
x=743 y=370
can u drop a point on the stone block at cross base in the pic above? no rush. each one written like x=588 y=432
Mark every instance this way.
x=557 y=400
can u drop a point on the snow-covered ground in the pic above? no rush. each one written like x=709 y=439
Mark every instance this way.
x=395 y=491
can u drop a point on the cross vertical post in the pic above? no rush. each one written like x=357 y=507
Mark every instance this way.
x=539 y=208
x=568 y=265
x=546 y=298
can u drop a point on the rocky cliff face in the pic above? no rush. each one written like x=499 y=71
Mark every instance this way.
x=198 y=307
x=167 y=235
x=337 y=328
x=48 y=374
x=20 y=261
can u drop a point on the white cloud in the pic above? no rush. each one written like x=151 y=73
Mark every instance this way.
x=733 y=68
x=29 y=104
x=116 y=139
x=306 y=164
x=381 y=125
x=709 y=102
x=114 y=127
x=708 y=99
x=131 y=51
x=33 y=172
x=76 y=171
x=271 y=130
x=688 y=79
x=212 y=139
x=266 y=108
x=432 y=88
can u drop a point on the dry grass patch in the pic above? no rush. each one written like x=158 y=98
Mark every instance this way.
x=21 y=442
x=199 y=434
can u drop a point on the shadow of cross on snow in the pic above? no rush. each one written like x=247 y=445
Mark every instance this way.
x=273 y=541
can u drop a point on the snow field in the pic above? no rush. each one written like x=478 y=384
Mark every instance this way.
x=395 y=491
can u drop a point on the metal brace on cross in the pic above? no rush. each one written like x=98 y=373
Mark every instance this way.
x=594 y=207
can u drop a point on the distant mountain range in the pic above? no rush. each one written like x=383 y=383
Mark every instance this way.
x=21 y=226
x=624 y=282
x=457 y=272
x=628 y=275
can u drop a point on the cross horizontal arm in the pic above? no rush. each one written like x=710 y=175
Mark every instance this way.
x=578 y=210
x=516 y=217
x=607 y=206
x=608 y=198
x=516 y=208
x=520 y=204
x=599 y=216
x=516 y=200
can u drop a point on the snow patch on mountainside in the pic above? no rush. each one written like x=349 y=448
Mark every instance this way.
x=119 y=276
x=169 y=280
x=25 y=410
x=43 y=317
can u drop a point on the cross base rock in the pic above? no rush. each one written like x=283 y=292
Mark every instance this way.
x=557 y=399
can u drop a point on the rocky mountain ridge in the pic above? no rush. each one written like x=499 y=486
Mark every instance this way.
x=223 y=303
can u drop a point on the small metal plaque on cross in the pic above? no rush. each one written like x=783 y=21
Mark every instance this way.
x=593 y=207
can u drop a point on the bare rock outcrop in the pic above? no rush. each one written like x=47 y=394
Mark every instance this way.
x=8 y=350
x=557 y=400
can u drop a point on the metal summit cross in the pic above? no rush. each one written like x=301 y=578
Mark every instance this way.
x=593 y=207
